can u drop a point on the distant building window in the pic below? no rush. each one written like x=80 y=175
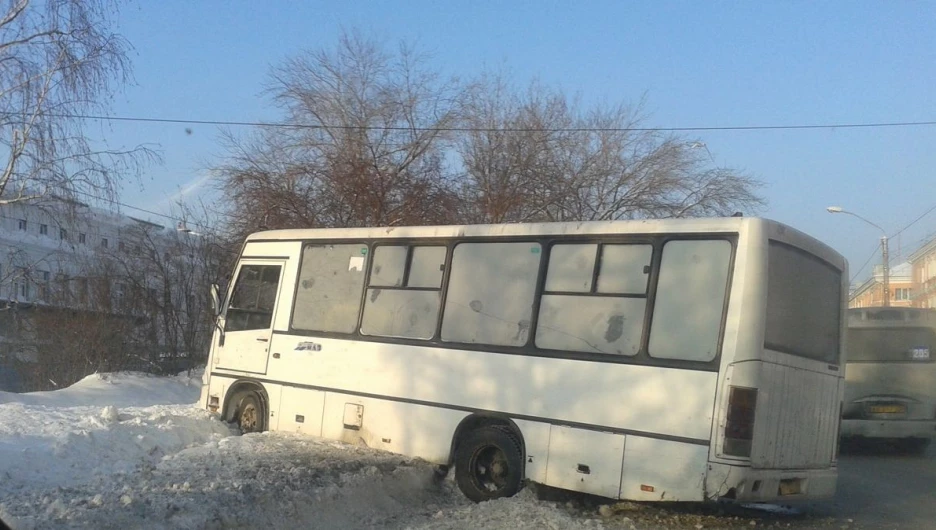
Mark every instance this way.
x=21 y=224
x=902 y=294
x=63 y=234
x=21 y=287
x=44 y=229
x=44 y=285
x=82 y=238
x=104 y=242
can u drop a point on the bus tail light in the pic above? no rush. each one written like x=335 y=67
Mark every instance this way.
x=739 y=429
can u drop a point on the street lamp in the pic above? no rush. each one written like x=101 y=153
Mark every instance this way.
x=884 y=253
x=702 y=145
x=182 y=227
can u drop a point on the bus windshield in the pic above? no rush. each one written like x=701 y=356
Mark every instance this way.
x=890 y=344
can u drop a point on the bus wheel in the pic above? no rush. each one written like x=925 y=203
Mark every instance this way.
x=250 y=414
x=488 y=464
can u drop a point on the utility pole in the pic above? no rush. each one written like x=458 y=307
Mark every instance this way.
x=884 y=254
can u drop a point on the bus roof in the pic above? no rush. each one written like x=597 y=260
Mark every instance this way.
x=644 y=226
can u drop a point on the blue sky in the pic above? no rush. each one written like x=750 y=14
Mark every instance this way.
x=696 y=63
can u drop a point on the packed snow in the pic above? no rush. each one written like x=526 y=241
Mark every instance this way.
x=135 y=451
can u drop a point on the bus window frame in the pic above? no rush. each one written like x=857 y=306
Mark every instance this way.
x=642 y=358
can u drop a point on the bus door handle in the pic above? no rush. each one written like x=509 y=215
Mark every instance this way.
x=261 y=339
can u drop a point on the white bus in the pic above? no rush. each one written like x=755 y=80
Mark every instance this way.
x=890 y=376
x=663 y=360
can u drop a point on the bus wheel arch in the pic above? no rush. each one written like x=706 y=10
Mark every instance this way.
x=247 y=401
x=488 y=453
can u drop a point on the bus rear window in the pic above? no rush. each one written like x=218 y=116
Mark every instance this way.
x=804 y=304
x=890 y=344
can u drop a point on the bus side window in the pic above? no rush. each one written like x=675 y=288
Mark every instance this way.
x=253 y=299
x=690 y=300
x=490 y=293
x=577 y=315
x=403 y=295
x=328 y=297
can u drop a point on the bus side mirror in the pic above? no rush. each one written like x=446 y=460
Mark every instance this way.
x=215 y=300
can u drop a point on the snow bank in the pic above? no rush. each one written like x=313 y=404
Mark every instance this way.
x=126 y=389
x=102 y=425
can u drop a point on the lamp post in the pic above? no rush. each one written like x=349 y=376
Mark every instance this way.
x=884 y=252
x=702 y=145
x=182 y=227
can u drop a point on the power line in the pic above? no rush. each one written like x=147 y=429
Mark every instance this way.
x=860 y=269
x=495 y=129
x=131 y=207
x=924 y=214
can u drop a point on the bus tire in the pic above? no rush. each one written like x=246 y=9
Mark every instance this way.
x=488 y=464
x=250 y=413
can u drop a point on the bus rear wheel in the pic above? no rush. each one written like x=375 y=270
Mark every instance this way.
x=489 y=464
x=250 y=414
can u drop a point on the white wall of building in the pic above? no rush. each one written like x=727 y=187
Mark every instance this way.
x=41 y=243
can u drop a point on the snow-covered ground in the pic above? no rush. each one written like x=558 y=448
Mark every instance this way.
x=133 y=451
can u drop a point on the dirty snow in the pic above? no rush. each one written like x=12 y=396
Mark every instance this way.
x=134 y=451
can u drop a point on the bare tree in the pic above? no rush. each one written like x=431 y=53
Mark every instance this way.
x=362 y=143
x=164 y=278
x=77 y=328
x=59 y=59
x=540 y=156
x=373 y=138
x=140 y=305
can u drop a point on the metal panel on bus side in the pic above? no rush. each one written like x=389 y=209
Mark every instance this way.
x=663 y=470
x=536 y=442
x=404 y=428
x=301 y=410
x=662 y=401
x=586 y=461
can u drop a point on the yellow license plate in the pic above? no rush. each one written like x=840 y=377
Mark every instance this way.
x=888 y=409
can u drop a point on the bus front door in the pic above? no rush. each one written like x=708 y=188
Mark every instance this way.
x=248 y=320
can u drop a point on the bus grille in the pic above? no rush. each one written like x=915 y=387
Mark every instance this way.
x=797 y=423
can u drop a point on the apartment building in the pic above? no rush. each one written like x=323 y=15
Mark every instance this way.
x=870 y=293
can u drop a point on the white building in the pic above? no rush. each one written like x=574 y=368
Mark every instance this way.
x=43 y=245
x=59 y=260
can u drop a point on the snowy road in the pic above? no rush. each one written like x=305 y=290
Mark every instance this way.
x=130 y=451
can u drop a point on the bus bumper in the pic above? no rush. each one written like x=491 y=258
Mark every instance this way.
x=744 y=484
x=890 y=429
